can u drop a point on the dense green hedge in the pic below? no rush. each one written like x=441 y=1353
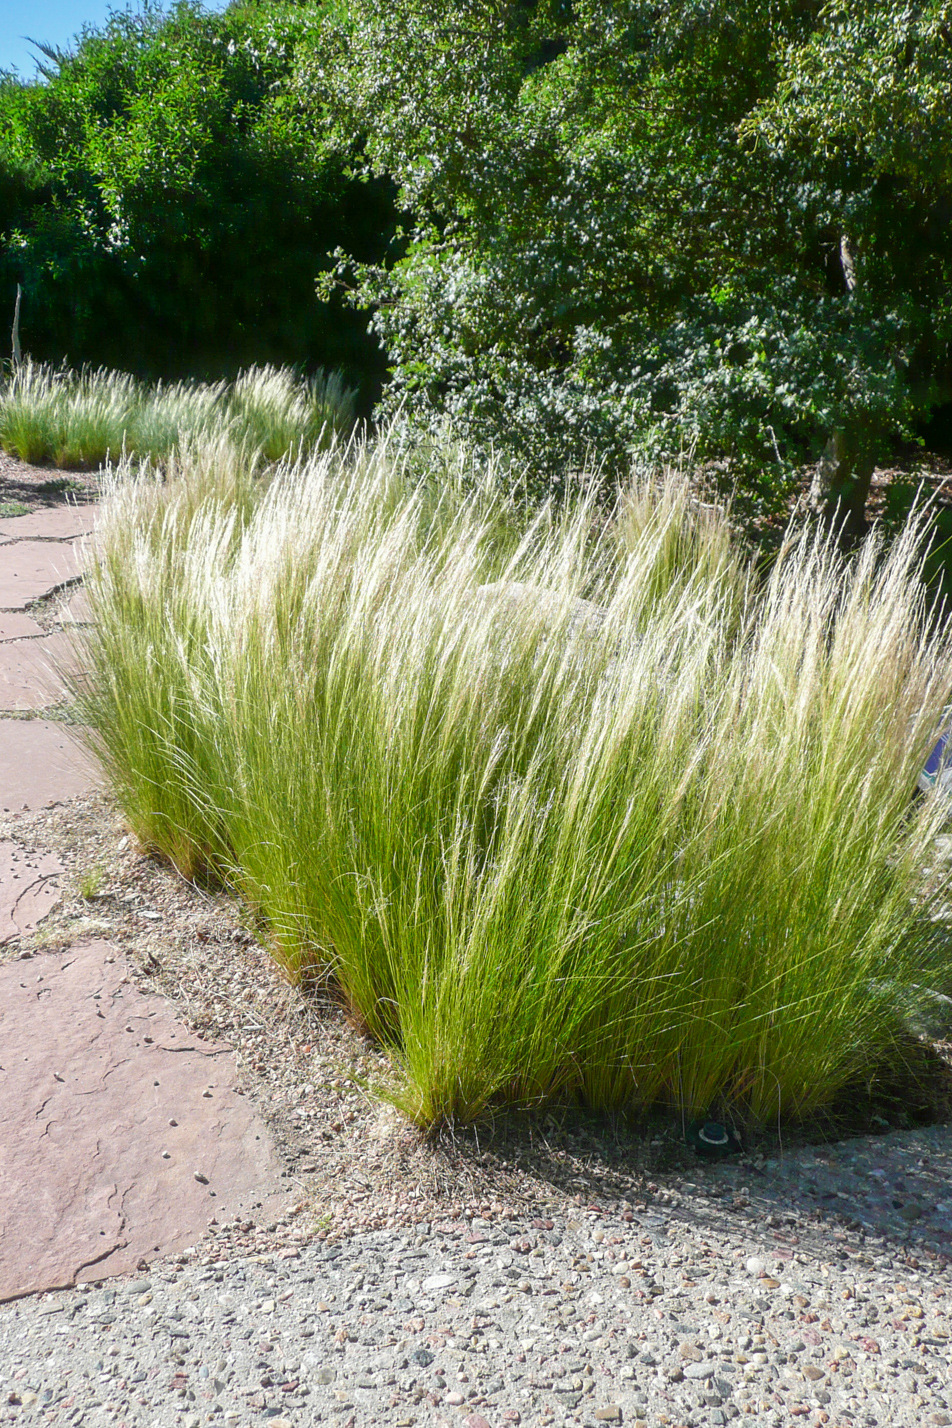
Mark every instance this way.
x=167 y=204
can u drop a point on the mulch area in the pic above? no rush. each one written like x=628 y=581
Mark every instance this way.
x=894 y=484
x=910 y=478
x=39 y=487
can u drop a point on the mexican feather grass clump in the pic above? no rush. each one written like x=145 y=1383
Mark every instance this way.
x=564 y=813
x=82 y=419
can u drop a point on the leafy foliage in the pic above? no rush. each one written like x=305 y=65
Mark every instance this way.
x=167 y=203
x=644 y=228
x=636 y=228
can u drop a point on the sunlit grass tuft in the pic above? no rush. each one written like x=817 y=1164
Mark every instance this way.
x=269 y=408
x=567 y=813
x=83 y=419
x=67 y=418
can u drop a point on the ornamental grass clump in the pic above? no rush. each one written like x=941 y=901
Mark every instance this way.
x=171 y=414
x=70 y=419
x=689 y=539
x=272 y=409
x=150 y=657
x=554 y=827
x=83 y=419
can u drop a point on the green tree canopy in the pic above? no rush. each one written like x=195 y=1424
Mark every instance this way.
x=167 y=201
x=650 y=227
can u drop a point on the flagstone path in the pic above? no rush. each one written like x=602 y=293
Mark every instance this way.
x=121 y=1135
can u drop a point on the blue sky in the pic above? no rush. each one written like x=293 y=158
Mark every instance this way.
x=53 y=22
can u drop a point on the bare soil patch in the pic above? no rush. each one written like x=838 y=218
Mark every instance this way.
x=38 y=487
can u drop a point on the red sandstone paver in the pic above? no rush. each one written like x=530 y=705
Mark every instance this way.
x=14 y=626
x=57 y=523
x=28 y=890
x=41 y=765
x=30 y=569
x=121 y=1134
x=76 y=611
x=29 y=671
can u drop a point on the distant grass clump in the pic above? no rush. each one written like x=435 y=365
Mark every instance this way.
x=80 y=420
x=574 y=813
x=279 y=414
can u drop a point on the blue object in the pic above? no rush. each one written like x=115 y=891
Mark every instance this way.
x=938 y=763
x=936 y=759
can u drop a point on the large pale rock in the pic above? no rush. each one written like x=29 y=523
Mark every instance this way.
x=30 y=569
x=29 y=889
x=121 y=1135
x=41 y=765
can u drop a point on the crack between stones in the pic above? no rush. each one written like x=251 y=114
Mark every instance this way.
x=196 y=1050
x=36 y=886
x=39 y=882
x=106 y=1254
x=118 y=1242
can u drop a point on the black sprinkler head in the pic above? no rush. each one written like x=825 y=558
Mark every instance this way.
x=712 y=1140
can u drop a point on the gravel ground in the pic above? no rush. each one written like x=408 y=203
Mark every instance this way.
x=540 y=1270
x=675 y=1310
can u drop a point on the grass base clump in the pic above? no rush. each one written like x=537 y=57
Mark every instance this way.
x=563 y=816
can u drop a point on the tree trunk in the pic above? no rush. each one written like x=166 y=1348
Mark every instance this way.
x=17 y=354
x=841 y=482
x=840 y=487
